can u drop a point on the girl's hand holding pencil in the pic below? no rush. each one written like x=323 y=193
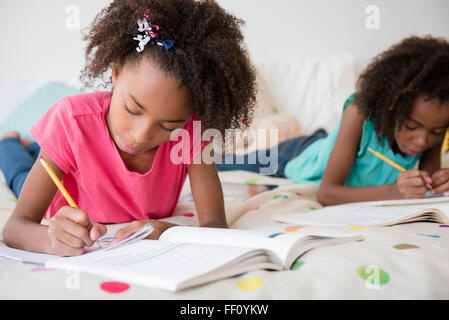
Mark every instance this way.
x=440 y=179
x=70 y=230
x=411 y=184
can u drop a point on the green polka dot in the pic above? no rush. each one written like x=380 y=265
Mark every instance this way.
x=279 y=197
x=313 y=208
x=298 y=264
x=12 y=199
x=275 y=109
x=251 y=181
x=373 y=275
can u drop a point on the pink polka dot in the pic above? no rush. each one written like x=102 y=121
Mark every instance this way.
x=40 y=269
x=114 y=287
x=190 y=215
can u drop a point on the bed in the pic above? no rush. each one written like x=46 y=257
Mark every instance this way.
x=400 y=262
x=408 y=261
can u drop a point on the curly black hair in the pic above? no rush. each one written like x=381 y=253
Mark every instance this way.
x=212 y=61
x=387 y=88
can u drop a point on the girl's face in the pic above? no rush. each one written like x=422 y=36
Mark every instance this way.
x=424 y=126
x=146 y=106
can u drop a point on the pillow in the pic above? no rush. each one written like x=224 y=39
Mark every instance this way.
x=266 y=116
x=287 y=127
x=311 y=89
x=265 y=104
x=26 y=114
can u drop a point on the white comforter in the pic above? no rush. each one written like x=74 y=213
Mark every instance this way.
x=401 y=262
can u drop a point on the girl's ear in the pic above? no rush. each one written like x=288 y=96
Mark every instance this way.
x=115 y=72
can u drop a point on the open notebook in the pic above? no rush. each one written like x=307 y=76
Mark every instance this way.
x=191 y=256
x=101 y=244
x=374 y=213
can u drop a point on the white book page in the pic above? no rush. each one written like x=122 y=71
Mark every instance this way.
x=25 y=256
x=355 y=215
x=154 y=263
x=104 y=242
x=427 y=201
x=40 y=258
x=279 y=243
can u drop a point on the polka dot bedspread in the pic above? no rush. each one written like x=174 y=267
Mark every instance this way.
x=409 y=261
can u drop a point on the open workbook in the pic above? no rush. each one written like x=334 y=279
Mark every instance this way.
x=374 y=213
x=189 y=256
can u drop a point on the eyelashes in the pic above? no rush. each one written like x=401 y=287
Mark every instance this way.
x=136 y=114
x=410 y=128
x=129 y=111
x=167 y=129
x=435 y=133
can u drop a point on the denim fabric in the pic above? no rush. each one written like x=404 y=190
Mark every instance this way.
x=16 y=162
x=286 y=150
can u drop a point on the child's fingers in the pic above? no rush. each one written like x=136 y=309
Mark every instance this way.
x=416 y=193
x=98 y=230
x=70 y=240
x=62 y=224
x=414 y=188
x=416 y=182
x=122 y=234
x=426 y=177
x=442 y=188
x=127 y=231
x=77 y=215
x=62 y=249
x=440 y=177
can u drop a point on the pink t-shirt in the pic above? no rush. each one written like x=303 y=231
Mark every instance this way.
x=73 y=132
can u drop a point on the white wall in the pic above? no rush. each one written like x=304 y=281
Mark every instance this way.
x=36 y=43
x=301 y=28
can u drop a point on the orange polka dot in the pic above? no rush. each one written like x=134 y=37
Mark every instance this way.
x=293 y=228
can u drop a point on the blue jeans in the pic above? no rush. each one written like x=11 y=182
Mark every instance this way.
x=258 y=161
x=16 y=162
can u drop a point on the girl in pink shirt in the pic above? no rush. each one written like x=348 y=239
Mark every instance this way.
x=123 y=155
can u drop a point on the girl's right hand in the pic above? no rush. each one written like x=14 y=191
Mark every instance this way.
x=71 y=230
x=411 y=184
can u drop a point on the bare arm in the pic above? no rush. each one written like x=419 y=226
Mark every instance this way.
x=69 y=231
x=208 y=195
x=332 y=190
x=23 y=229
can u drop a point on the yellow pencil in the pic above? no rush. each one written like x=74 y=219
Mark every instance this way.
x=58 y=183
x=395 y=165
x=381 y=156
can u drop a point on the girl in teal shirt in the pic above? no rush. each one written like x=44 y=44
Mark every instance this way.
x=400 y=109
